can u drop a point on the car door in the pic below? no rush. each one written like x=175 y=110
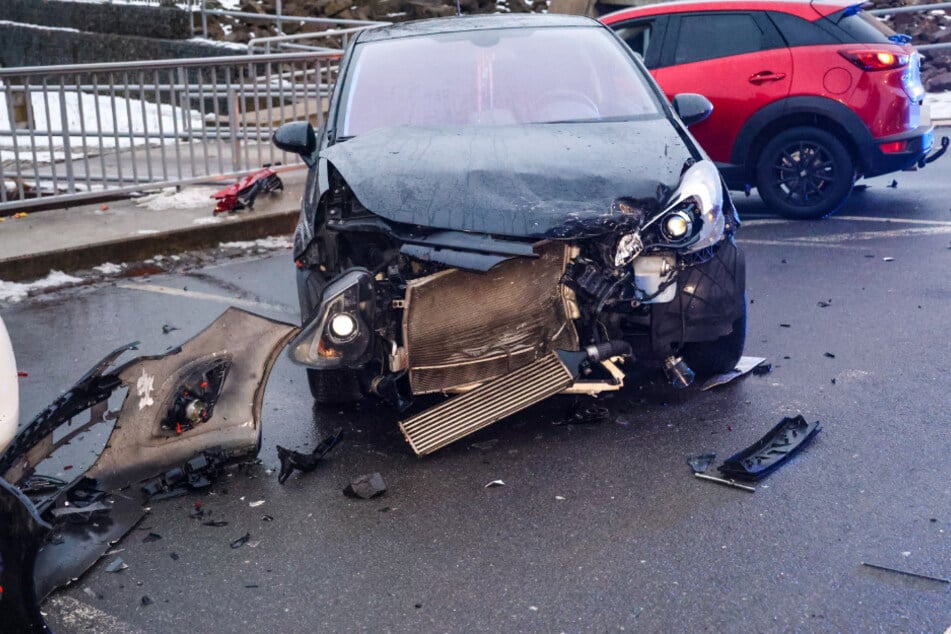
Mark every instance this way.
x=737 y=59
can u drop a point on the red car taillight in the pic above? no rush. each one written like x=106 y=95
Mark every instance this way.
x=876 y=60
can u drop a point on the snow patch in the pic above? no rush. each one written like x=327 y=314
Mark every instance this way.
x=940 y=103
x=188 y=198
x=109 y=268
x=15 y=291
x=210 y=220
x=271 y=242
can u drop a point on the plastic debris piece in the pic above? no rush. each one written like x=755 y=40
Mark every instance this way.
x=241 y=541
x=22 y=375
x=174 y=556
x=907 y=572
x=250 y=585
x=485 y=445
x=743 y=366
x=167 y=328
x=493 y=484
x=151 y=537
x=90 y=593
x=267 y=518
x=256 y=503
x=116 y=565
x=560 y=498
x=785 y=325
x=888 y=259
x=825 y=304
x=585 y=413
x=295 y=461
x=770 y=451
x=763 y=368
x=215 y=523
x=730 y=483
x=146 y=600
x=366 y=486
x=701 y=462
x=893 y=184
x=828 y=354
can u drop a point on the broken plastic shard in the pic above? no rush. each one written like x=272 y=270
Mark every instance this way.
x=769 y=452
x=241 y=541
x=167 y=328
x=828 y=354
x=701 y=462
x=215 y=523
x=493 y=484
x=763 y=368
x=116 y=565
x=743 y=366
x=256 y=503
x=146 y=600
x=588 y=414
x=151 y=537
x=294 y=460
x=366 y=486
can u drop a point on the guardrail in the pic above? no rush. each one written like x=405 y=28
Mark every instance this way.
x=78 y=132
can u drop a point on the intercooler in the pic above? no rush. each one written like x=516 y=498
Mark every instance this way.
x=465 y=327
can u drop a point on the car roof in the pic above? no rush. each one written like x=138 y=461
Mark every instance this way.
x=802 y=8
x=456 y=24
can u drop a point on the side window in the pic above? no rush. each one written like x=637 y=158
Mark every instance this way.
x=799 y=32
x=638 y=35
x=714 y=35
x=644 y=37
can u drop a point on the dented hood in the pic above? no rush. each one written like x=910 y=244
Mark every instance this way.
x=527 y=181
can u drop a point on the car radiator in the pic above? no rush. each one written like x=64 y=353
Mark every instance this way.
x=462 y=328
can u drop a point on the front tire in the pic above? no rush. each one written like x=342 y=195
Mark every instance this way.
x=805 y=173
x=707 y=358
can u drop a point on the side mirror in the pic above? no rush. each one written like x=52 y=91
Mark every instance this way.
x=297 y=137
x=691 y=107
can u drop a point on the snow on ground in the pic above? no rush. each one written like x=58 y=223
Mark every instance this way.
x=15 y=291
x=271 y=242
x=940 y=103
x=130 y=115
x=109 y=268
x=189 y=197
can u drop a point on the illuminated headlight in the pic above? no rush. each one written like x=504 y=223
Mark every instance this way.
x=342 y=326
x=694 y=218
x=628 y=248
x=339 y=335
x=677 y=225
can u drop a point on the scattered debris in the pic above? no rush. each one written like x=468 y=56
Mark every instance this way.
x=366 y=486
x=743 y=366
x=256 y=503
x=701 y=462
x=822 y=304
x=907 y=572
x=24 y=375
x=493 y=484
x=196 y=510
x=174 y=556
x=241 y=541
x=146 y=600
x=729 y=483
x=785 y=325
x=167 y=328
x=267 y=518
x=888 y=259
x=585 y=413
x=215 y=523
x=250 y=585
x=91 y=593
x=769 y=452
x=305 y=463
x=893 y=184
x=116 y=565
x=151 y=537
x=829 y=355
x=560 y=498
x=763 y=368
x=485 y=445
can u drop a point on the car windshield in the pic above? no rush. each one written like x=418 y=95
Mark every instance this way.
x=493 y=77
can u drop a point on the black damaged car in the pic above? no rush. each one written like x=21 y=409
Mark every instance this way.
x=501 y=209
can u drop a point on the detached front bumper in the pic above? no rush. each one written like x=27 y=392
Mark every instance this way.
x=901 y=151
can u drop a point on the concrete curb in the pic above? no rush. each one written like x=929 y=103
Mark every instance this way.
x=131 y=249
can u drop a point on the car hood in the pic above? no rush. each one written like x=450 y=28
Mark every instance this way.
x=540 y=180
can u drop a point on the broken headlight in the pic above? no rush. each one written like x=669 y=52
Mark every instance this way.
x=694 y=218
x=629 y=246
x=339 y=335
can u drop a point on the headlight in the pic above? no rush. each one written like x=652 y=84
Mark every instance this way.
x=694 y=218
x=339 y=335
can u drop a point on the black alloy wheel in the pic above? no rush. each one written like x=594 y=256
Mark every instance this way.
x=805 y=173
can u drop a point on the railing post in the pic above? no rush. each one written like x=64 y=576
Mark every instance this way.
x=280 y=27
x=204 y=20
x=234 y=113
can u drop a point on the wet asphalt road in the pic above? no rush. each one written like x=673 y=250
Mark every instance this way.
x=598 y=527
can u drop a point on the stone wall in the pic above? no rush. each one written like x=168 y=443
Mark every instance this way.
x=120 y=19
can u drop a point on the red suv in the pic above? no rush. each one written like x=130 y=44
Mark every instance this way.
x=807 y=96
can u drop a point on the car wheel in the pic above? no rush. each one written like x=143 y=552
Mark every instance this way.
x=804 y=173
x=707 y=358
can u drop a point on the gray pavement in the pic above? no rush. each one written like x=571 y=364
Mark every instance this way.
x=129 y=230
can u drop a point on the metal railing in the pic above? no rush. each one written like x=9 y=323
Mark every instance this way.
x=82 y=131
x=917 y=8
